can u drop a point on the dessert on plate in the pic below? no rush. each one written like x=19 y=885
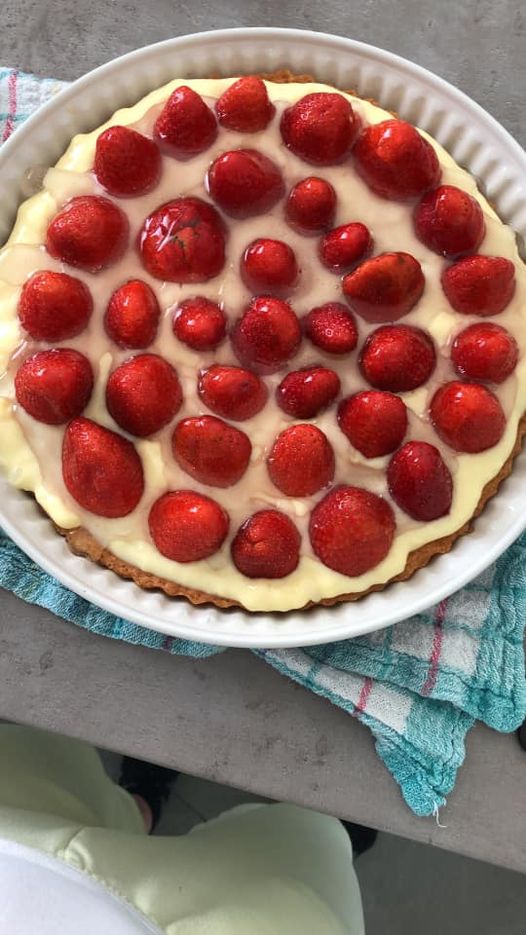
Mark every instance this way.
x=261 y=343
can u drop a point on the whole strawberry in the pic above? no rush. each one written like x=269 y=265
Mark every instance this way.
x=311 y=205
x=186 y=526
x=397 y=358
x=102 y=470
x=384 y=288
x=89 y=232
x=375 y=422
x=267 y=335
x=485 y=352
x=54 y=386
x=232 y=392
x=186 y=126
x=211 y=451
x=183 y=241
x=132 y=316
x=245 y=106
x=301 y=461
x=269 y=266
x=303 y=394
x=449 y=221
x=420 y=482
x=143 y=394
x=467 y=416
x=266 y=546
x=479 y=285
x=332 y=328
x=320 y=128
x=199 y=323
x=244 y=183
x=126 y=162
x=351 y=530
x=54 y=306
x=344 y=246
x=396 y=161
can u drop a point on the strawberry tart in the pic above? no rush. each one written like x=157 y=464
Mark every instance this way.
x=261 y=343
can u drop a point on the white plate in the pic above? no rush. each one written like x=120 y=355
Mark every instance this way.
x=475 y=140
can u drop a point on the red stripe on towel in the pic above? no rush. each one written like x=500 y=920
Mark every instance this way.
x=10 y=121
x=436 y=649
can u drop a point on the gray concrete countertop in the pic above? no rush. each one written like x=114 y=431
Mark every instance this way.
x=231 y=718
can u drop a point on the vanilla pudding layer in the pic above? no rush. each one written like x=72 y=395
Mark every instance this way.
x=30 y=452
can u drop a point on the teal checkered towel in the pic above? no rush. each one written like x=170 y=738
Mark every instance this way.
x=418 y=686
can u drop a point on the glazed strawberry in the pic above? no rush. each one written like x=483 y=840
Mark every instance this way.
x=384 y=288
x=467 y=416
x=485 y=352
x=183 y=241
x=396 y=161
x=126 y=162
x=344 y=246
x=267 y=335
x=102 y=470
x=479 y=285
x=303 y=394
x=211 y=451
x=397 y=358
x=301 y=461
x=351 y=530
x=90 y=232
x=132 y=316
x=244 y=182
x=54 y=386
x=187 y=526
x=320 y=128
x=420 y=482
x=373 y=421
x=449 y=221
x=311 y=205
x=199 y=323
x=54 y=306
x=269 y=266
x=143 y=394
x=186 y=125
x=266 y=546
x=232 y=392
x=332 y=328
x=245 y=106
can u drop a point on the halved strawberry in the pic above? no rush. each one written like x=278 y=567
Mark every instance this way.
x=485 y=352
x=90 y=232
x=320 y=128
x=244 y=182
x=54 y=386
x=211 y=451
x=332 y=328
x=384 y=288
x=467 y=416
x=143 y=394
x=186 y=526
x=126 y=162
x=449 y=221
x=267 y=335
x=199 y=323
x=54 y=306
x=132 y=316
x=398 y=358
x=266 y=546
x=311 y=205
x=301 y=461
x=396 y=161
x=344 y=246
x=374 y=422
x=232 y=392
x=183 y=241
x=351 y=530
x=269 y=266
x=186 y=126
x=102 y=470
x=420 y=482
x=245 y=106
x=305 y=393
x=479 y=285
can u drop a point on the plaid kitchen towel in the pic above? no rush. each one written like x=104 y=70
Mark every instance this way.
x=418 y=686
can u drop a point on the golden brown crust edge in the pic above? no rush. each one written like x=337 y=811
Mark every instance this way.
x=82 y=543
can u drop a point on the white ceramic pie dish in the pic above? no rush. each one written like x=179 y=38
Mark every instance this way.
x=474 y=139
